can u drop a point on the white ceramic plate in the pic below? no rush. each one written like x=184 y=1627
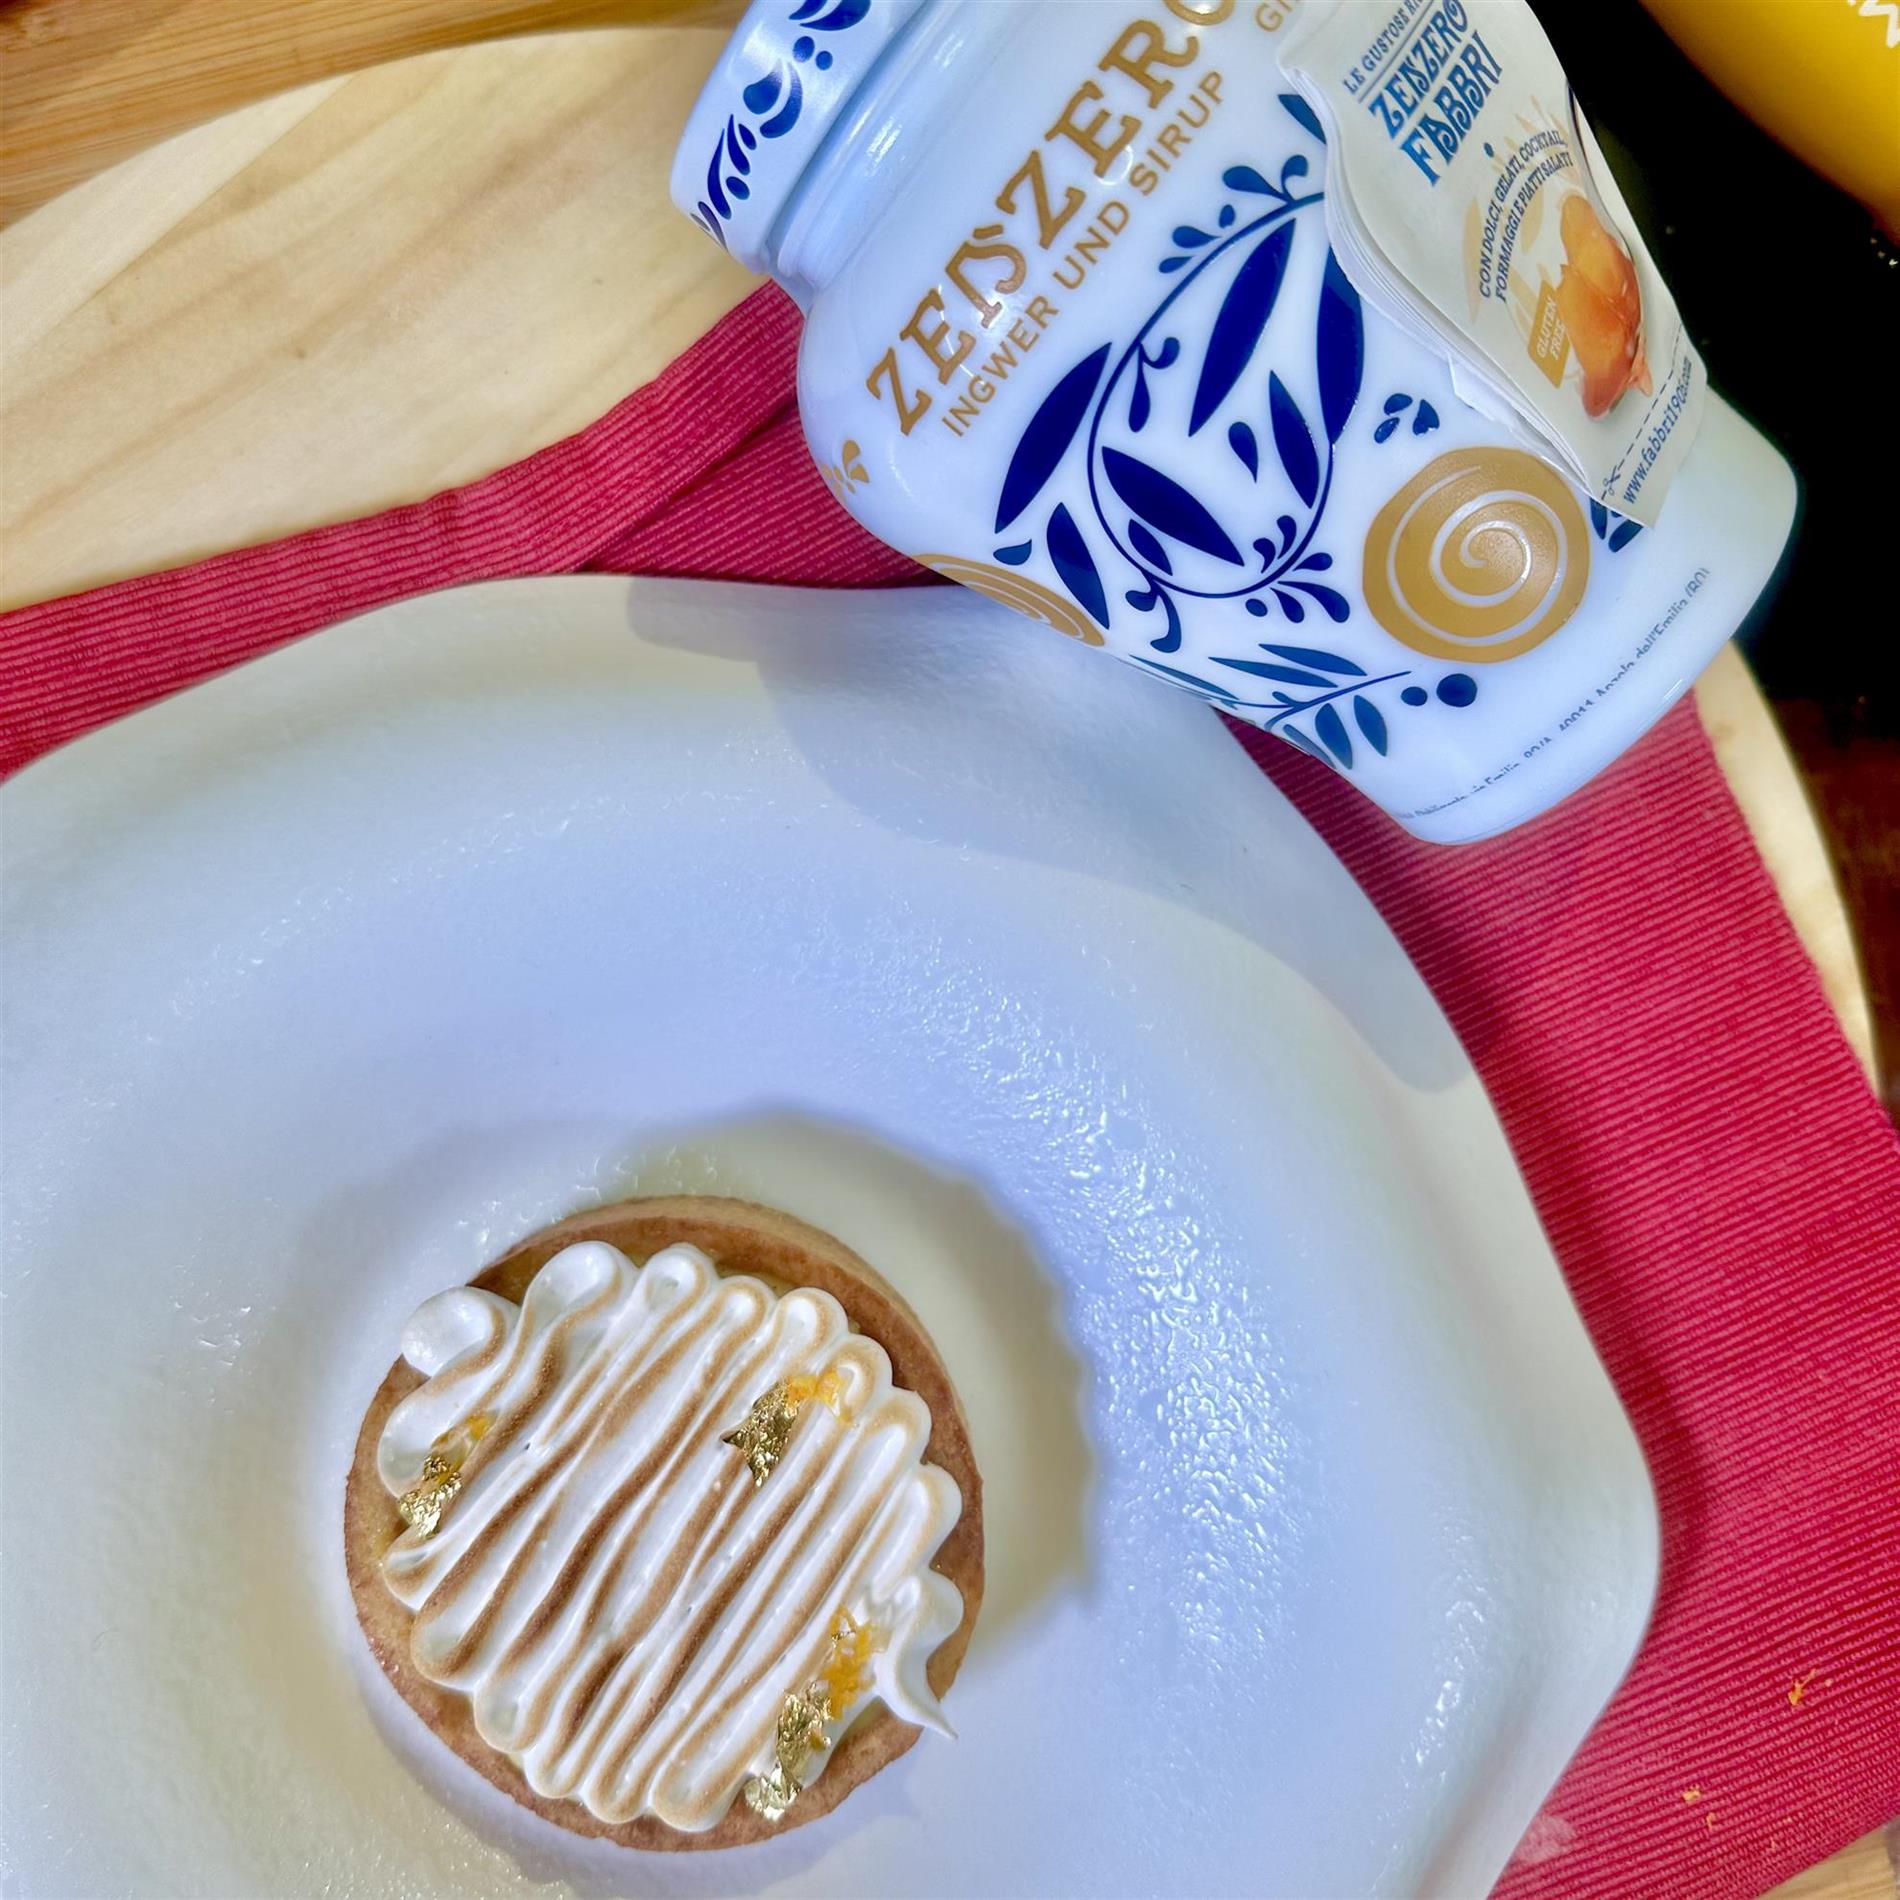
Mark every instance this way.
x=1316 y=1537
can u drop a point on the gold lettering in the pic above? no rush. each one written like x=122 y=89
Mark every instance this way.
x=999 y=362
x=1089 y=137
x=1139 y=49
x=1171 y=138
x=1115 y=215
x=1023 y=339
x=930 y=337
x=1048 y=222
x=909 y=412
x=1200 y=12
x=1042 y=311
x=1209 y=83
x=1144 y=178
x=981 y=243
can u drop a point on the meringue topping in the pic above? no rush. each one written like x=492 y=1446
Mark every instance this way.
x=627 y=1605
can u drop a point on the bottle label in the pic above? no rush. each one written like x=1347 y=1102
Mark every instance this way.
x=1469 y=200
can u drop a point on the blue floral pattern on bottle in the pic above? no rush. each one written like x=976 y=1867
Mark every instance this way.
x=1148 y=541
x=1424 y=417
x=1615 y=531
x=773 y=103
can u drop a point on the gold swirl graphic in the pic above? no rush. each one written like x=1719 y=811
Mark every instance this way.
x=1040 y=603
x=1481 y=556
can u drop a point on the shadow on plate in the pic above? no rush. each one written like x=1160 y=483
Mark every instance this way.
x=903 y=701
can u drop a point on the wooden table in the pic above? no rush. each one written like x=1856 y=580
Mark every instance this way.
x=382 y=284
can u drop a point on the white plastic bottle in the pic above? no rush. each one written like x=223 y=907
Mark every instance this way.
x=1075 y=337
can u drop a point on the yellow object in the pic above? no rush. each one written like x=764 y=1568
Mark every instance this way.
x=828 y=1390
x=847 y=1672
x=1822 y=75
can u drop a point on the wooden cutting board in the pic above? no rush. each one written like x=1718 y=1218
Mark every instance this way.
x=90 y=82
x=388 y=282
x=350 y=295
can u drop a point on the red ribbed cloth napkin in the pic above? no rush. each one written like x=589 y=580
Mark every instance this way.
x=1719 y=1183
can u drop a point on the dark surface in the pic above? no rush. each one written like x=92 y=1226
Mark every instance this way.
x=1793 y=298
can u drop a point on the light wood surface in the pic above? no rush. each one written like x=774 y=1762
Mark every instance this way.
x=352 y=295
x=1865 y=1871
x=90 y=82
x=1767 y=786
x=380 y=285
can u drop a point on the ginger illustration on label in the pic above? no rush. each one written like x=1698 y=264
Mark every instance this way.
x=1600 y=306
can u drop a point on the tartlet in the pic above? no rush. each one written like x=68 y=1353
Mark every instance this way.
x=676 y=1553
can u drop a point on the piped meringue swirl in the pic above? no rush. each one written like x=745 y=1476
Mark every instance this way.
x=624 y=1609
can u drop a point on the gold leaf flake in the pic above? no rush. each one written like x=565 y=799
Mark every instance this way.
x=769 y=1796
x=800 y=1735
x=421 y=1508
x=761 y=1437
